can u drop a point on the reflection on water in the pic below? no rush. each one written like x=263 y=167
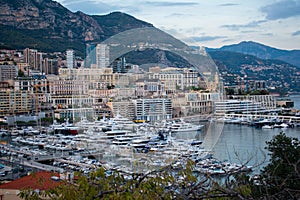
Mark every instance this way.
x=238 y=143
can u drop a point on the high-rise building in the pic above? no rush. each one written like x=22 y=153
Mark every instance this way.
x=102 y=56
x=70 y=58
x=90 y=55
x=33 y=58
x=119 y=65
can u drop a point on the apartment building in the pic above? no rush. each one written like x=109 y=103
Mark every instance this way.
x=15 y=102
x=70 y=93
x=147 y=87
x=153 y=109
x=8 y=72
x=124 y=108
x=176 y=78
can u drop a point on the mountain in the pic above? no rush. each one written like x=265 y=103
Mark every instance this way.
x=48 y=26
x=276 y=73
x=263 y=52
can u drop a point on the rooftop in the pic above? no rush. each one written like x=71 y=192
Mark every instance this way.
x=38 y=180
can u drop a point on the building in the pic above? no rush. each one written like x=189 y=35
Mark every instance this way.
x=38 y=181
x=102 y=56
x=193 y=103
x=8 y=72
x=146 y=87
x=15 y=102
x=124 y=108
x=176 y=78
x=90 y=55
x=33 y=58
x=119 y=65
x=256 y=85
x=266 y=101
x=69 y=93
x=153 y=109
x=200 y=103
x=96 y=78
x=70 y=59
x=284 y=102
x=49 y=66
x=237 y=106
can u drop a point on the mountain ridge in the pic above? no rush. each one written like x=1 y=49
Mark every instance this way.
x=52 y=27
x=262 y=51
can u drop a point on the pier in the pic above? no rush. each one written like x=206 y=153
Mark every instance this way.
x=283 y=118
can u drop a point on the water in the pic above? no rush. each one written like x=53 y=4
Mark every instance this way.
x=240 y=144
x=296 y=99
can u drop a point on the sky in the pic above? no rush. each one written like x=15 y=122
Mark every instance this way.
x=210 y=23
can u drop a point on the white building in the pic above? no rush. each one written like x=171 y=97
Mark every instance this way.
x=176 y=78
x=70 y=58
x=102 y=56
x=237 y=106
x=153 y=109
x=267 y=101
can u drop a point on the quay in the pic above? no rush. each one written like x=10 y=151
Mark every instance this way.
x=294 y=119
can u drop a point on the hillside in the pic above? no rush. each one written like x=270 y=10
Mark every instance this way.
x=48 y=26
x=263 y=52
x=275 y=72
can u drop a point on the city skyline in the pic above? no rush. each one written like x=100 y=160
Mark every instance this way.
x=211 y=23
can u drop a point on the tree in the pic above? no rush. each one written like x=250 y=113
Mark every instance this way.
x=280 y=179
x=21 y=73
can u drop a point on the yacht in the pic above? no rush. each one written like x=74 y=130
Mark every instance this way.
x=124 y=122
x=64 y=128
x=184 y=127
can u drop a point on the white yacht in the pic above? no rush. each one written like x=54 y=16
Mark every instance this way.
x=184 y=127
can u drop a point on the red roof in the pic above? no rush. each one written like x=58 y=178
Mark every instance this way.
x=38 y=180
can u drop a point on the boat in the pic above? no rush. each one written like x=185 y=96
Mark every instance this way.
x=124 y=122
x=184 y=127
x=140 y=143
x=64 y=128
x=267 y=127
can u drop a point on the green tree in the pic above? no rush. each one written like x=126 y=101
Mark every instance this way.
x=281 y=177
x=21 y=73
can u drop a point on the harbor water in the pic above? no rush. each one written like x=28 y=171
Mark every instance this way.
x=239 y=144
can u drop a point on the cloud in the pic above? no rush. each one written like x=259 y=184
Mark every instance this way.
x=268 y=34
x=296 y=33
x=282 y=9
x=169 y=4
x=228 y=40
x=206 y=38
x=90 y=7
x=236 y=27
x=229 y=4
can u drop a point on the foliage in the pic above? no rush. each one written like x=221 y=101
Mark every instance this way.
x=281 y=177
x=21 y=73
x=229 y=91
x=259 y=92
x=165 y=183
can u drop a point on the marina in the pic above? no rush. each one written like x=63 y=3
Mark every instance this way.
x=239 y=146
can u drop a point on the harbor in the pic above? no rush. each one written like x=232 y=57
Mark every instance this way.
x=139 y=147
